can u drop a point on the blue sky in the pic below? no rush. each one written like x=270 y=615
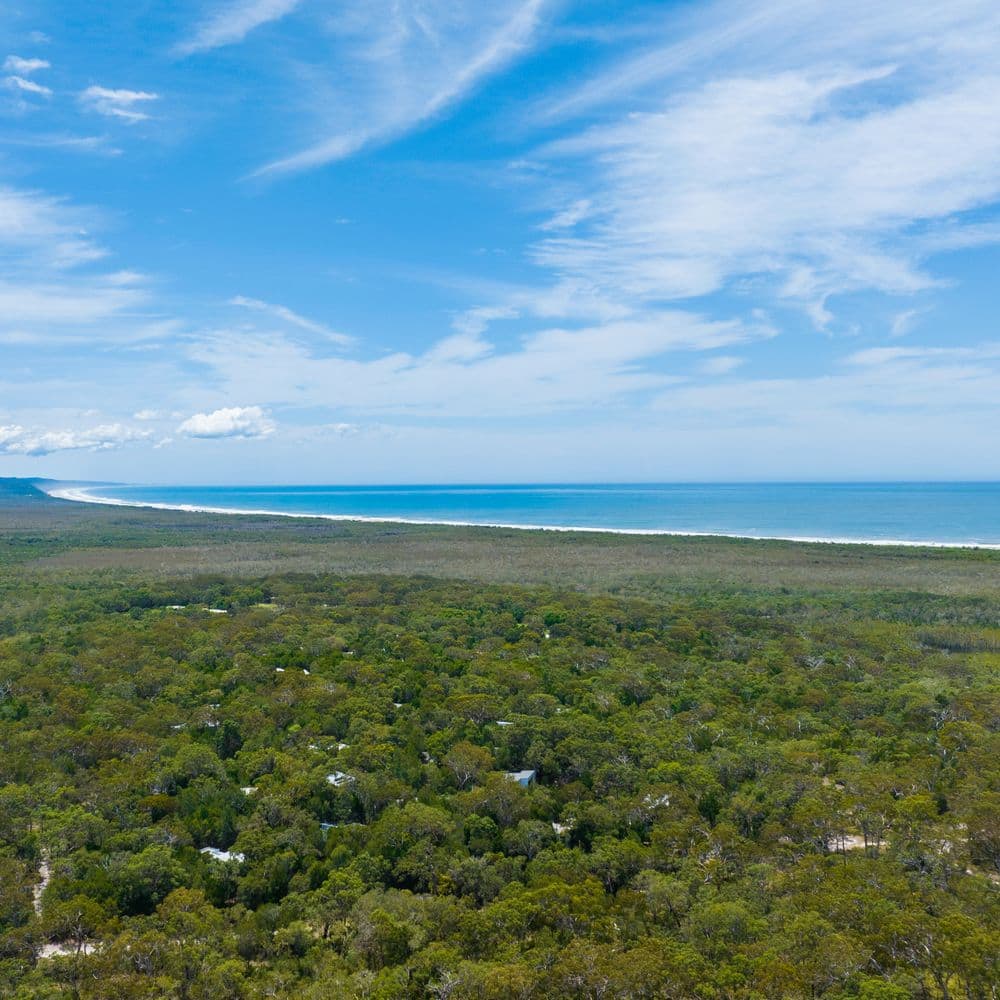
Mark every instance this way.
x=530 y=240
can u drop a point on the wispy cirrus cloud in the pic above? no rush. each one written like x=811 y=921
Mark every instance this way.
x=19 y=82
x=782 y=152
x=399 y=66
x=396 y=65
x=24 y=67
x=291 y=318
x=117 y=103
x=97 y=144
x=464 y=376
x=48 y=289
x=569 y=216
x=720 y=364
x=881 y=357
x=881 y=385
x=44 y=230
x=25 y=86
x=811 y=152
x=736 y=38
x=71 y=302
x=232 y=22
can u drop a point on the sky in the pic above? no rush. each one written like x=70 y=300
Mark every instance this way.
x=384 y=241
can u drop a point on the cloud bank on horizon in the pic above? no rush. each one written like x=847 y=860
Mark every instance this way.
x=526 y=240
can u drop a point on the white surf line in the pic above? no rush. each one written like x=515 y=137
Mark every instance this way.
x=83 y=495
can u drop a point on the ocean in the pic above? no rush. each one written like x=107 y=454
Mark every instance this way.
x=909 y=513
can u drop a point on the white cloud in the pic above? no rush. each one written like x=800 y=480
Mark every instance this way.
x=17 y=440
x=721 y=364
x=875 y=357
x=474 y=322
x=880 y=385
x=400 y=65
x=727 y=37
x=820 y=148
x=73 y=303
x=229 y=422
x=461 y=347
x=48 y=290
x=48 y=230
x=117 y=103
x=566 y=299
x=293 y=318
x=233 y=22
x=19 y=83
x=760 y=176
x=24 y=67
x=463 y=376
x=568 y=217
x=904 y=321
x=54 y=140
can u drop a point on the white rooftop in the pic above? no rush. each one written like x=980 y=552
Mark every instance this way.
x=220 y=855
x=523 y=778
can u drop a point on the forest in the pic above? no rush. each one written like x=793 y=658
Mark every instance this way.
x=591 y=768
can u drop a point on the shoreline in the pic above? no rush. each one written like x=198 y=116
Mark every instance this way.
x=83 y=495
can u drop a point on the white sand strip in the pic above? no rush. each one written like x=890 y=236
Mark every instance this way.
x=84 y=495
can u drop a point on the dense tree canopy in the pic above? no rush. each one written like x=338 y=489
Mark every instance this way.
x=736 y=794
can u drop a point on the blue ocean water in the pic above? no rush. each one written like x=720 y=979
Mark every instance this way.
x=965 y=513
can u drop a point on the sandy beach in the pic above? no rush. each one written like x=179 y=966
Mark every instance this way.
x=84 y=495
